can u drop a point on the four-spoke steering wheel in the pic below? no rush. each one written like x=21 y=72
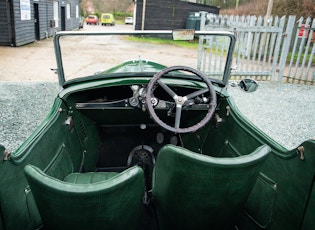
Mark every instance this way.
x=180 y=101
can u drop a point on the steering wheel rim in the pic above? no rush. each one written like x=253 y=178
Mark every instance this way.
x=179 y=100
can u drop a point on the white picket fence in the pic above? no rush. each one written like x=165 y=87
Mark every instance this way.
x=275 y=49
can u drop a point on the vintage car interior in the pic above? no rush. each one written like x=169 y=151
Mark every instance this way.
x=164 y=149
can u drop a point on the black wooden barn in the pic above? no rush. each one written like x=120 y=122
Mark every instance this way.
x=25 y=21
x=166 y=14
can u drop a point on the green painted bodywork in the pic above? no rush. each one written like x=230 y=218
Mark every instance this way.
x=73 y=141
x=136 y=66
x=282 y=197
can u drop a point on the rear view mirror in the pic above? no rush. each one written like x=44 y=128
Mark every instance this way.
x=248 y=85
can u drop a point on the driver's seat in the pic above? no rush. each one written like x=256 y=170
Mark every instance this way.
x=194 y=191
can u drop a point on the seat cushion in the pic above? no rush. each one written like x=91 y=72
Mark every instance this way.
x=89 y=177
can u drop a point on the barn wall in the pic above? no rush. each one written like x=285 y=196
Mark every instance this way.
x=167 y=14
x=17 y=32
x=72 y=22
x=5 y=23
x=45 y=16
x=24 y=29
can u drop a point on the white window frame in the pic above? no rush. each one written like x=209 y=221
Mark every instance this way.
x=68 y=8
x=56 y=13
x=76 y=11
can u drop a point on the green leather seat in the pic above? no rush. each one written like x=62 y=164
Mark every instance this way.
x=89 y=177
x=88 y=200
x=194 y=191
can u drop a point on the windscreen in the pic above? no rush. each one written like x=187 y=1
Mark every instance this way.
x=85 y=55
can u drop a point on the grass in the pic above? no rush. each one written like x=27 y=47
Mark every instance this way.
x=164 y=41
x=295 y=57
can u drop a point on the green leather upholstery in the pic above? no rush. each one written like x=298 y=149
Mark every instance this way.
x=194 y=191
x=87 y=203
x=89 y=177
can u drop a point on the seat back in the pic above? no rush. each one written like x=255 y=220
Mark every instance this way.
x=194 y=191
x=115 y=203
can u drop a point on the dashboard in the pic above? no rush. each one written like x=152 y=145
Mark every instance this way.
x=134 y=97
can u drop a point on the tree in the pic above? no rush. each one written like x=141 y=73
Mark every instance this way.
x=280 y=8
x=104 y=6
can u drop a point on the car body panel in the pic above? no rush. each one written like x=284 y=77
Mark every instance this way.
x=101 y=123
x=136 y=66
x=107 y=19
x=92 y=20
x=129 y=20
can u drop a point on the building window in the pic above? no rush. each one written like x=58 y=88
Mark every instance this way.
x=56 y=13
x=68 y=11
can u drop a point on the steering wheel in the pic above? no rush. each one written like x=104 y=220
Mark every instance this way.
x=180 y=101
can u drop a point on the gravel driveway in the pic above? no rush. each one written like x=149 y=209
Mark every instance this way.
x=28 y=87
x=285 y=112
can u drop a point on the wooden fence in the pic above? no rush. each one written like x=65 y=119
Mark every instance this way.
x=276 y=49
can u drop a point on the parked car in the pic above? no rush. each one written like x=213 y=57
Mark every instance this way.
x=81 y=22
x=152 y=142
x=129 y=20
x=107 y=19
x=92 y=20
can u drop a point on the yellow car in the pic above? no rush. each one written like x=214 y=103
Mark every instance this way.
x=107 y=19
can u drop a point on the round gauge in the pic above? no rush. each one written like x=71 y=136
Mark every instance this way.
x=159 y=138
x=142 y=92
x=154 y=101
x=174 y=140
x=134 y=101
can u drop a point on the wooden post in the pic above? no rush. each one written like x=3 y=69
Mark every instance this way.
x=269 y=8
x=143 y=14
x=236 y=6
